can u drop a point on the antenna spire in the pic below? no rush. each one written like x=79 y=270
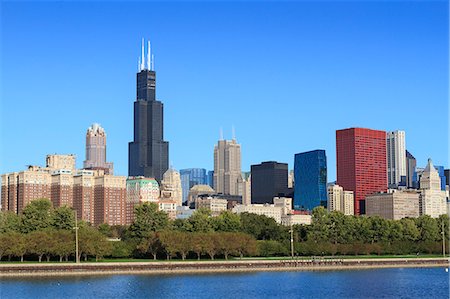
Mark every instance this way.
x=221 y=134
x=233 y=133
x=142 y=56
x=153 y=63
x=149 y=66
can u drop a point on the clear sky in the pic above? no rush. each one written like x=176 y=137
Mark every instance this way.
x=286 y=75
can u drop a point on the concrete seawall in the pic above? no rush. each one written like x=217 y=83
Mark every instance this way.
x=56 y=269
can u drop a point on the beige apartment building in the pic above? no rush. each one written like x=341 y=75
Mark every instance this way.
x=395 y=205
x=340 y=200
x=433 y=200
x=215 y=205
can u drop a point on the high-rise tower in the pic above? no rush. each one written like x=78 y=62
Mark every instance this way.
x=148 y=152
x=396 y=159
x=361 y=163
x=96 y=150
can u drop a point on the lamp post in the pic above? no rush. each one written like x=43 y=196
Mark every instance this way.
x=292 y=241
x=77 y=258
x=443 y=237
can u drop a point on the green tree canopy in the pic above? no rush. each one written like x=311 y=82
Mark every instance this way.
x=37 y=215
x=147 y=218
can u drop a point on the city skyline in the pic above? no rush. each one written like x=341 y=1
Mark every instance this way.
x=201 y=137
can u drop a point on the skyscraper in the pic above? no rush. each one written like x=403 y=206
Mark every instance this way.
x=191 y=177
x=310 y=176
x=268 y=180
x=148 y=152
x=361 y=163
x=432 y=200
x=227 y=167
x=96 y=150
x=396 y=158
x=410 y=169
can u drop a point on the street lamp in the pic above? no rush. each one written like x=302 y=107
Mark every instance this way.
x=443 y=237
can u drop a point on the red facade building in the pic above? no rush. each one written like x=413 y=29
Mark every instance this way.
x=361 y=163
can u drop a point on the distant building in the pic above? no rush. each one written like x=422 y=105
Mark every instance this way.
x=58 y=162
x=171 y=187
x=96 y=150
x=294 y=219
x=310 y=175
x=396 y=158
x=247 y=189
x=281 y=211
x=447 y=177
x=210 y=180
x=361 y=163
x=269 y=179
x=340 y=200
x=197 y=191
x=215 y=205
x=268 y=210
x=432 y=199
x=411 y=164
x=227 y=167
x=191 y=177
x=291 y=179
x=184 y=212
x=394 y=206
x=440 y=170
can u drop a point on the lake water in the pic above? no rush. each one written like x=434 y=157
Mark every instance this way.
x=378 y=283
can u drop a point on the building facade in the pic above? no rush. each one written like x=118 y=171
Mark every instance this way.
x=198 y=190
x=310 y=175
x=395 y=205
x=95 y=196
x=411 y=164
x=96 y=150
x=340 y=200
x=361 y=163
x=269 y=180
x=433 y=200
x=215 y=205
x=227 y=167
x=171 y=187
x=148 y=153
x=191 y=177
x=396 y=158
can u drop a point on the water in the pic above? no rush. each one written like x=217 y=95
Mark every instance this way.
x=378 y=283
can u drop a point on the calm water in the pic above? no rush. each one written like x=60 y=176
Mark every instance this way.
x=380 y=283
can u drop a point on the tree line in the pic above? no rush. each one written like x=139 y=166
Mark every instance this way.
x=42 y=232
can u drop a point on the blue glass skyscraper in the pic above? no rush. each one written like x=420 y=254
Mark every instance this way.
x=310 y=176
x=191 y=177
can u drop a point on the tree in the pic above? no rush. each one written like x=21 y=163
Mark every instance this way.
x=201 y=221
x=211 y=244
x=428 y=228
x=64 y=245
x=246 y=245
x=148 y=219
x=105 y=229
x=169 y=241
x=262 y=227
x=227 y=221
x=150 y=244
x=198 y=243
x=18 y=246
x=409 y=230
x=63 y=218
x=37 y=215
x=9 y=221
x=39 y=243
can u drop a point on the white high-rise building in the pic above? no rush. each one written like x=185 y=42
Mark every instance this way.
x=432 y=199
x=396 y=158
x=340 y=200
x=227 y=167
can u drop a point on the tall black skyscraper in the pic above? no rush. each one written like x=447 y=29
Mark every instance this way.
x=148 y=153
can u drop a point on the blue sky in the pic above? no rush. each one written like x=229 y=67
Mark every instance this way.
x=286 y=75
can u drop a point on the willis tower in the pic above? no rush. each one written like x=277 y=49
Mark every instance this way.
x=148 y=153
